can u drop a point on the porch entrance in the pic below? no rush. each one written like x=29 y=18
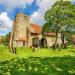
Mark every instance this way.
x=23 y=43
x=35 y=42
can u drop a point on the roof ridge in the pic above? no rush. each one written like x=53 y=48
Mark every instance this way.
x=36 y=24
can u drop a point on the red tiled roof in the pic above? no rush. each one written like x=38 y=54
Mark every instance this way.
x=50 y=33
x=34 y=28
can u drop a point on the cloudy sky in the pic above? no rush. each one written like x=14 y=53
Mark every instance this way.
x=34 y=8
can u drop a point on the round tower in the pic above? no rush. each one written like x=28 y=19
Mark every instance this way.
x=20 y=26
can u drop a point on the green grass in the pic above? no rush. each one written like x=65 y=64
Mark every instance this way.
x=41 y=62
x=25 y=52
x=39 y=66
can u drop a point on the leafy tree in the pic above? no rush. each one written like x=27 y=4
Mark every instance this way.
x=6 y=39
x=61 y=15
x=69 y=31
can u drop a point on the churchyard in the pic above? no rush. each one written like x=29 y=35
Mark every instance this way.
x=43 y=61
x=56 y=37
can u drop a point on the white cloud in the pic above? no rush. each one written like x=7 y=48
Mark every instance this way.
x=10 y=4
x=6 y=22
x=13 y=3
x=36 y=15
x=44 y=5
x=37 y=18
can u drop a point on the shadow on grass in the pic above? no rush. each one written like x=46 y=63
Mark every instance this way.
x=39 y=66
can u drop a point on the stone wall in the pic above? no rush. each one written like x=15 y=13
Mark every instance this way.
x=50 y=40
x=34 y=36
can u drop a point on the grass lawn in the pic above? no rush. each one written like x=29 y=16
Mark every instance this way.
x=27 y=52
x=41 y=62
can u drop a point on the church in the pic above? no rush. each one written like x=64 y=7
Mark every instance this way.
x=25 y=33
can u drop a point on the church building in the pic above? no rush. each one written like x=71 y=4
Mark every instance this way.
x=25 y=33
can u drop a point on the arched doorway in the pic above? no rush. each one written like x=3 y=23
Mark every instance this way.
x=43 y=42
x=35 y=42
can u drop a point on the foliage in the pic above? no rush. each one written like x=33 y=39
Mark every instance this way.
x=60 y=18
x=6 y=39
x=39 y=66
x=61 y=14
x=68 y=37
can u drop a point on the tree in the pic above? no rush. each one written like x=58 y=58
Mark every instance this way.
x=61 y=15
x=70 y=31
x=6 y=39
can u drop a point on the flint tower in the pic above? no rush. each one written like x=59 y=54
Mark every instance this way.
x=20 y=29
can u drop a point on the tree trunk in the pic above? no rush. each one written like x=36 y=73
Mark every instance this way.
x=11 y=41
x=62 y=38
x=56 y=38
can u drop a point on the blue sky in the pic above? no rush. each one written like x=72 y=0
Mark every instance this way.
x=34 y=8
x=28 y=9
